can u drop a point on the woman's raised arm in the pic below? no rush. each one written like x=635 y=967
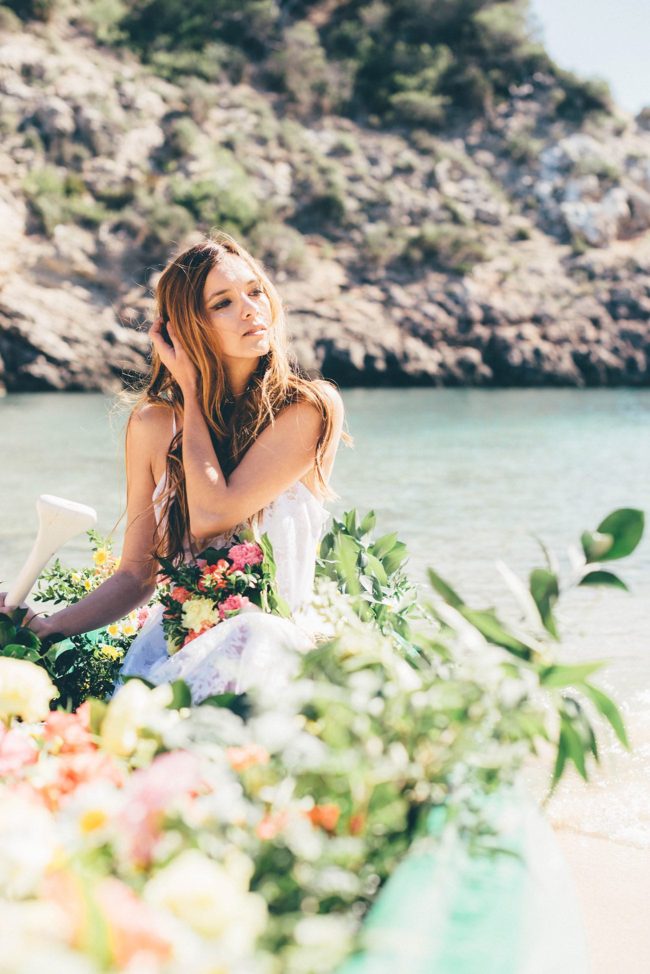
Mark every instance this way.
x=282 y=454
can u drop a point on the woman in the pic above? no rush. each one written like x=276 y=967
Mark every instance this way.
x=225 y=433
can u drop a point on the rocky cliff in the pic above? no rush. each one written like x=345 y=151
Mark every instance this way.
x=507 y=248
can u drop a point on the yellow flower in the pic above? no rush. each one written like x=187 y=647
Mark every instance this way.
x=212 y=898
x=197 y=612
x=113 y=629
x=76 y=577
x=92 y=819
x=100 y=557
x=128 y=629
x=87 y=584
x=25 y=690
x=111 y=652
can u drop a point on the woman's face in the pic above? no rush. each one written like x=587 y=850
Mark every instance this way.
x=238 y=309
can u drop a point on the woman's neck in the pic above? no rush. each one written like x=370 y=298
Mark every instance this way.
x=239 y=373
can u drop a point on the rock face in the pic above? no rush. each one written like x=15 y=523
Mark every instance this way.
x=513 y=251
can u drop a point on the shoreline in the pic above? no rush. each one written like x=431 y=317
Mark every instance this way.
x=612 y=881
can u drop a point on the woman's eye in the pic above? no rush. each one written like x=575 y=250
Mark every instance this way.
x=221 y=304
x=256 y=291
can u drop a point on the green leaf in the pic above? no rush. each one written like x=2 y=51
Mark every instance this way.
x=368 y=523
x=7 y=630
x=566 y=676
x=446 y=591
x=181 y=695
x=595 y=545
x=384 y=544
x=603 y=578
x=20 y=651
x=560 y=760
x=238 y=703
x=267 y=550
x=395 y=557
x=544 y=589
x=350 y=521
x=608 y=709
x=490 y=627
x=28 y=638
x=346 y=554
x=575 y=746
x=376 y=568
x=625 y=528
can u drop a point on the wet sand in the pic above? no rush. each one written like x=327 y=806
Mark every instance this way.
x=613 y=885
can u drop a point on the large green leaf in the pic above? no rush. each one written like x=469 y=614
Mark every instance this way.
x=603 y=578
x=20 y=651
x=544 y=589
x=367 y=524
x=383 y=545
x=346 y=554
x=376 y=568
x=396 y=557
x=444 y=590
x=608 y=709
x=566 y=676
x=490 y=627
x=615 y=537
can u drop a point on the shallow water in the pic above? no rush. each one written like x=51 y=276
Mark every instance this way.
x=466 y=477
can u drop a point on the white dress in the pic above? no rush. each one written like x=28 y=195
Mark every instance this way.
x=246 y=648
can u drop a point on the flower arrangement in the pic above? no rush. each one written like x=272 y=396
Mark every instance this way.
x=220 y=584
x=253 y=834
x=85 y=665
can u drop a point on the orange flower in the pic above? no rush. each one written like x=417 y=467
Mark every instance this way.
x=326 y=816
x=241 y=758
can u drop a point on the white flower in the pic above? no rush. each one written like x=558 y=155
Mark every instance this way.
x=28 y=844
x=212 y=898
x=133 y=708
x=199 y=612
x=25 y=690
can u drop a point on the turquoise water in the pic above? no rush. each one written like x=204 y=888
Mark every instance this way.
x=466 y=477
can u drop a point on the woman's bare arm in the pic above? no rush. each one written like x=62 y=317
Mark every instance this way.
x=133 y=583
x=282 y=454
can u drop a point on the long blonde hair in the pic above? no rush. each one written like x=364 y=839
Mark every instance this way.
x=234 y=425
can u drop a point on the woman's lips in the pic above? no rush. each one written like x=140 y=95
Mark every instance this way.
x=258 y=330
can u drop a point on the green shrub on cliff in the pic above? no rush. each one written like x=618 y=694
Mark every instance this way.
x=55 y=196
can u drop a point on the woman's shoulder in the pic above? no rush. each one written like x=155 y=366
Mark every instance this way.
x=330 y=392
x=152 y=417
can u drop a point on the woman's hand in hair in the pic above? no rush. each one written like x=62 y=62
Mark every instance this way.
x=173 y=356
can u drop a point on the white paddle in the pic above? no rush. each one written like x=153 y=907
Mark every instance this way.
x=59 y=521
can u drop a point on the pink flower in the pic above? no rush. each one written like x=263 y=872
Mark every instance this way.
x=245 y=554
x=143 y=615
x=195 y=633
x=171 y=778
x=202 y=563
x=234 y=603
x=16 y=751
x=180 y=594
x=69 y=733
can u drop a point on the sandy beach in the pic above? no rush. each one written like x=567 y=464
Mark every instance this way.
x=613 y=885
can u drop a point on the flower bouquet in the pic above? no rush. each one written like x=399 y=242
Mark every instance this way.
x=221 y=583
